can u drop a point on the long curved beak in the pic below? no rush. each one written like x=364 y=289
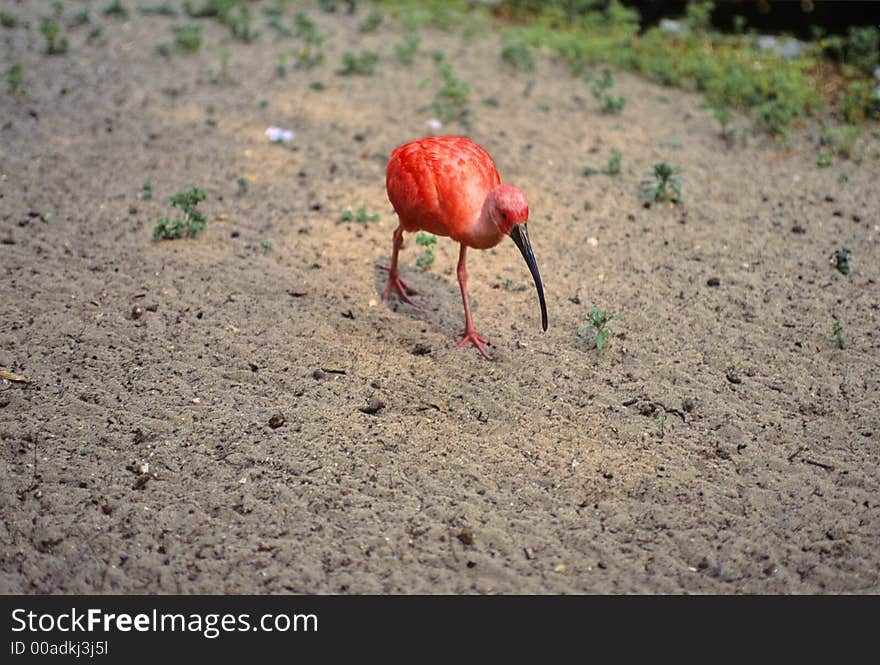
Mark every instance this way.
x=520 y=235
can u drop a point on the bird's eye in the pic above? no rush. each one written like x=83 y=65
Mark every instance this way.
x=504 y=215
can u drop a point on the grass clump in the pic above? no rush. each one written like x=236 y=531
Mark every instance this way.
x=426 y=241
x=56 y=42
x=164 y=9
x=363 y=63
x=451 y=98
x=360 y=217
x=15 y=79
x=612 y=168
x=115 y=8
x=406 y=50
x=193 y=221
x=187 y=37
x=824 y=160
x=372 y=22
x=8 y=20
x=598 y=322
x=837 y=331
x=515 y=51
x=601 y=88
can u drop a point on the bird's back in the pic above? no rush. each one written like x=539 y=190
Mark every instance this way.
x=439 y=184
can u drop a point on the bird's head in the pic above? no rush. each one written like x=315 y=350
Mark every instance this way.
x=509 y=211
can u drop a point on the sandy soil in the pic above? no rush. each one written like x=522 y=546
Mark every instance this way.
x=722 y=443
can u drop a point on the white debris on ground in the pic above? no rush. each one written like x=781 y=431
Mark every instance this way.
x=434 y=125
x=278 y=135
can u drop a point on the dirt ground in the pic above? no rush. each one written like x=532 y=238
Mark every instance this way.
x=722 y=443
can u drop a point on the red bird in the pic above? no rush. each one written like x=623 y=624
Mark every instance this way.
x=449 y=186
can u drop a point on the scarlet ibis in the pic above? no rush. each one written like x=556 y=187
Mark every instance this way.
x=449 y=186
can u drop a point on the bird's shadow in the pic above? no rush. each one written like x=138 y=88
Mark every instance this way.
x=439 y=297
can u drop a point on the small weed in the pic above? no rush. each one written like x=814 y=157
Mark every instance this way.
x=187 y=37
x=15 y=79
x=507 y=284
x=527 y=90
x=824 y=160
x=147 y=191
x=666 y=185
x=724 y=116
x=842 y=140
x=372 y=22
x=276 y=24
x=193 y=222
x=407 y=49
x=242 y=186
x=95 y=33
x=305 y=28
x=492 y=101
x=612 y=168
x=56 y=43
x=515 y=52
x=841 y=260
x=221 y=75
x=426 y=241
x=308 y=57
x=451 y=99
x=599 y=321
x=82 y=17
x=361 y=217
x=164 y=9
x=239 y=19
x=8 y=20
x=611 y=104
x=266 y=245
x=837 y=331
x=115 y=8
x=363 y=63
x=317 y=86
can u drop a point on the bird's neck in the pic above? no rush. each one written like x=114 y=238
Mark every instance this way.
x=485 y=232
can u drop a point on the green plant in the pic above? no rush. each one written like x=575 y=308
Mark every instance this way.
x=515 y=51
x=164 y=9
x=363 y=63
x=862 y=47
x=222 y=75
x=147 y=191
x=612 y=168
x=372 y=22
x=361 y=217
x=841 y=260
x=15 y=79
x=426 y=241
x=56 y=43
x=600 y=89
x=193 y=222
x=242 y=186
x=8 y=20
x=306 y=29
x=82 y=17
x=724 y=116
x=239 y=19
x=665 y=186
x=266 y=245
x=837 y=331
x=406 y=50
x=599 y=321
x=451 y=98
x=824 y=160
x=841 y=139
x=187 y=37
x=115 y=8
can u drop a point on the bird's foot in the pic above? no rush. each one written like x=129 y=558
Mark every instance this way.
x=470 y=336
x=396 y=285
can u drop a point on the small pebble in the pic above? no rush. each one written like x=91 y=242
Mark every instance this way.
x=277 y=421
x=713 y=281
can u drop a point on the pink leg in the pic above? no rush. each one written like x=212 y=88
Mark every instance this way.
x=470 y=335
x=395 y=283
